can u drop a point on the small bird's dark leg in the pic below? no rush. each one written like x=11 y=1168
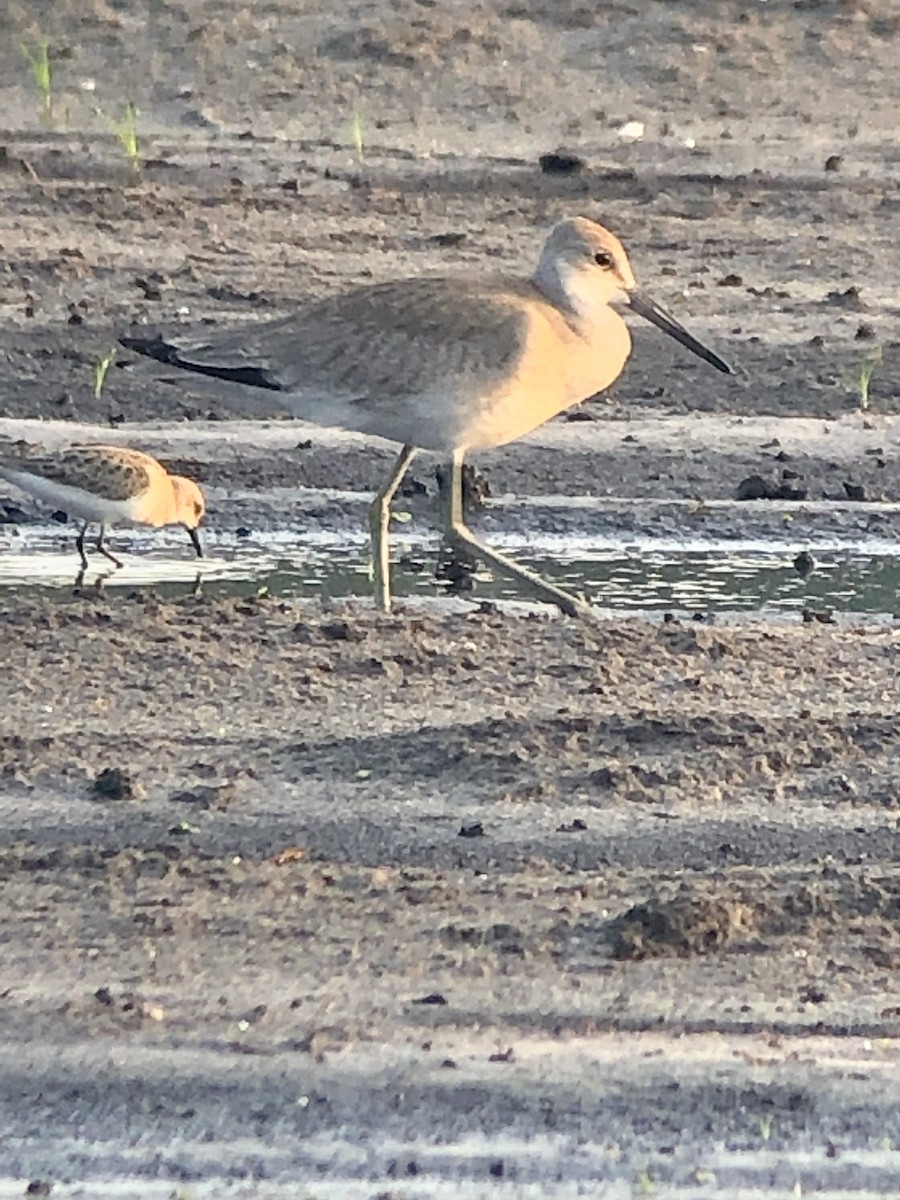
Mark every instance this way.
x=458 y=532
x=103 y=550
x=195 y=540
x=79 y=545
x=379 y=523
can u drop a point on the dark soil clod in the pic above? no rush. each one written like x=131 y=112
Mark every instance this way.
x=561 y=163
x=758 y=487
x=473 y=829
x=113 y=783
x=804 y=564
x=689 y=924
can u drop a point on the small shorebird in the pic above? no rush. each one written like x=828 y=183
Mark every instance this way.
x=108 y=485
x=444 y=364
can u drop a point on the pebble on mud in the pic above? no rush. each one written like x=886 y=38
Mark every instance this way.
x=804 y=564
x=756 y=487
x=849 y=298
x=310 y=634
x=816 y=616
x=471 y=829
x=574 y=826
x=560 y=162
x=451 y=239
x=503 y=1056
x=114 y=783
x=208 y=797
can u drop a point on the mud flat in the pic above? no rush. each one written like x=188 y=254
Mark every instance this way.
x=469 y=900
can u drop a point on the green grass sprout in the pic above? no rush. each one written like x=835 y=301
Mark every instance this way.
x=100 y=370
x=126 y=131
x=643 y=1185
x=865 y=377
x=38 y=59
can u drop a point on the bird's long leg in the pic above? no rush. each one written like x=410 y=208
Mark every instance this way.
x=79 y=545
x=103 y=550
x=379 y=522
x=457 y=531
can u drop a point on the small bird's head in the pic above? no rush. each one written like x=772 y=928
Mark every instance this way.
x=190 y=507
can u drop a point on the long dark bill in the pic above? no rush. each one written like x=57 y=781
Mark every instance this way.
x=195 y=541
x=650 y=311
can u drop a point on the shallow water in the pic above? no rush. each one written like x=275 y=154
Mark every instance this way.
x=646 y=575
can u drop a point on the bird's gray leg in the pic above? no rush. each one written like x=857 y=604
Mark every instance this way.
x=103 y=550
x=379 y=522
x=457 y=531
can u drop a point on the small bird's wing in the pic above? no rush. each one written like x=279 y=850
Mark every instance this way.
x=108 y=472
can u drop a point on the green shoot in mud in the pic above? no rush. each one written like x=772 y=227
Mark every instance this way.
x=126 y=131
x=358 y=144
x=100 y=369
x=865 y=377
x=38 y=59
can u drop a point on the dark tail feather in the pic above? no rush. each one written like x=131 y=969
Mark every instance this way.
x=164 y=352
x=153 y=347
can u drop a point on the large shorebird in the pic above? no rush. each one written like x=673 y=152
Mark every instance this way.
x=446 y=364
x=108 y=485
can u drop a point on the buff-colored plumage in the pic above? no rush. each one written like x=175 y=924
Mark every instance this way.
x=108 y=485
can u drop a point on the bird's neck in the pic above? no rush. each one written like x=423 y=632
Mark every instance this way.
x=548 y=281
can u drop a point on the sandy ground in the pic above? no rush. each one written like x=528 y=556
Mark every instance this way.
x=298 y=900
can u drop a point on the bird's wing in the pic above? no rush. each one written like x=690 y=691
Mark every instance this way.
x=382 y=341
x=117 y=476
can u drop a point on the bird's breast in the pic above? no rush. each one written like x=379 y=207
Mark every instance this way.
x=561 y=364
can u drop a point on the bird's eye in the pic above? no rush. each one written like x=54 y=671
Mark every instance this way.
x=604 y=259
